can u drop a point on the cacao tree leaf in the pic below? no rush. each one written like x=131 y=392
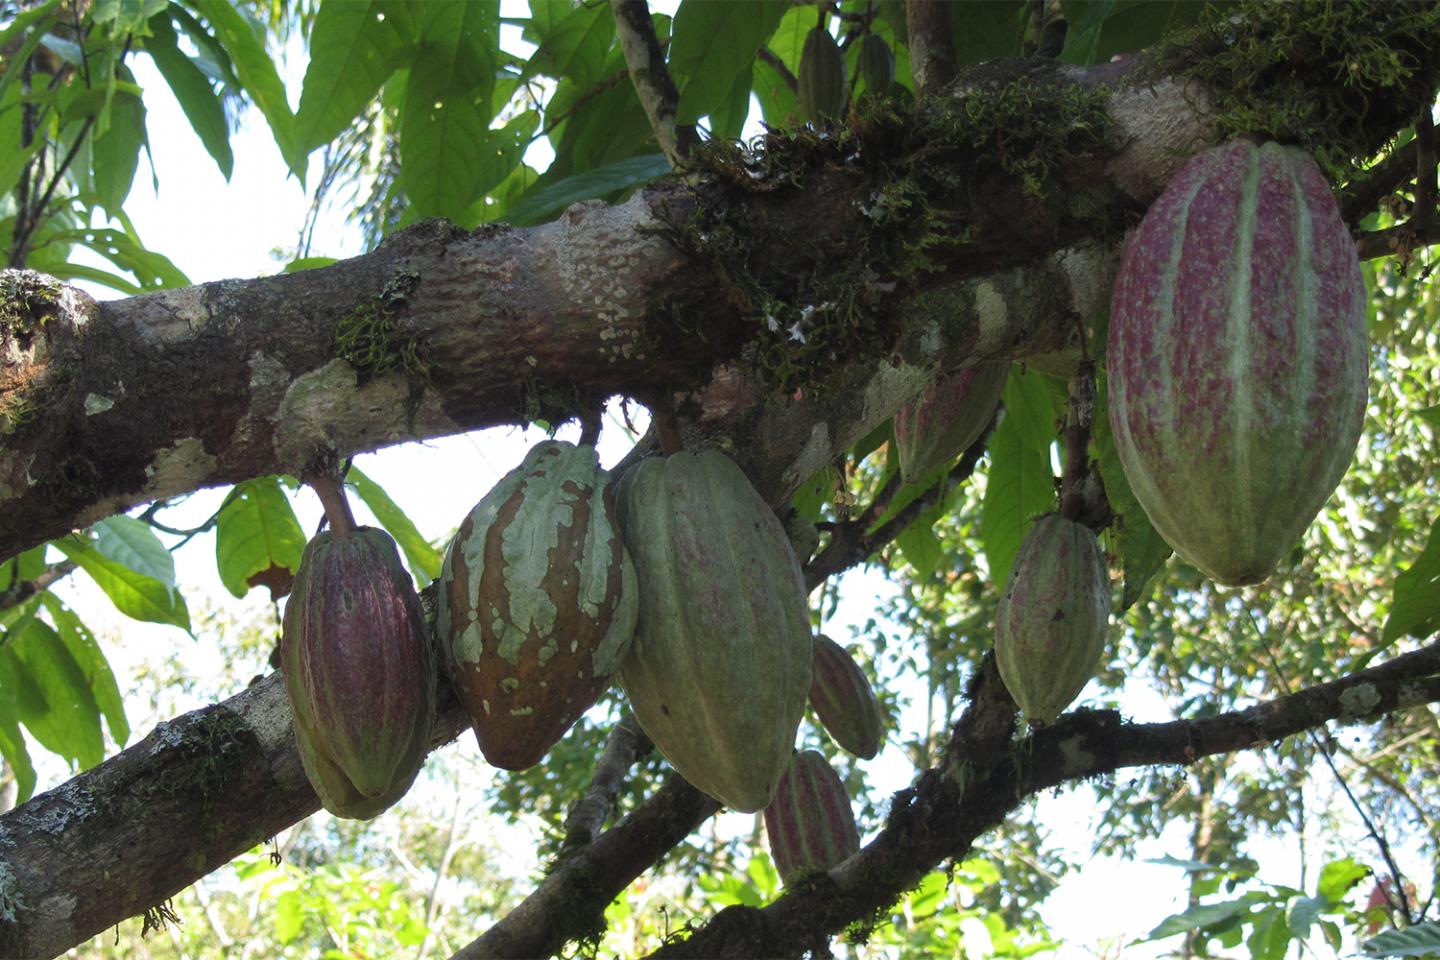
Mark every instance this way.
x=16 y=155
x=544 y=203
x=31 y=25
x=809 y=501
x=115 y=153
x=256 y=530
x=1271 y=936
x=987 y=29
x=1019 y=487
x=99 y=678
x=127 y=16
x=1143 y=551
x=1415 y=607
x=210 y=55
x=445 y=122
x=571 y=41
x=1035 y=402
x=309 y=263
x=13 y=749
x=132 y=543
x=710 y=44
x=1301 y=913
x=1203 y=915
x=501 y=155
x=778 y=103
x=727 y=118
x=1421 y=940
x=1097 y=30
x=256 y=71
x=421 y=554
x=354 y=47
x=192 y=90
x=1430 y=415
x=60 y=711
x=134 y=594
x=1339 y=877
x=154 y=271
x=920 y=547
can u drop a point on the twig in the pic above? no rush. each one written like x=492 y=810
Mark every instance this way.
x=769 y=56
x=22 y=590
x=1397 y=240
x=626 y=744
x=653 y=83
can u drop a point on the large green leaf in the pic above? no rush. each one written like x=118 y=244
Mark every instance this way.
x=1204 y=915
x=256 y=531
x=445 y=123
x=242 y=42
x=154 y=271
x=192 y=91
x=54 y=700
x=127 y=16
x=86 y=652
x=1143 y=551
x=711 y=43
x=501 y=156
x=354 y=47
x=13 y=749
x=423 y=557
x=572 y=41
x=115 y=153
x=1415 y=608
x=1421 y=940
x=546 y=202
x=134 y=594
x=1339 y=877
x=1019 y=486
x=132 y=543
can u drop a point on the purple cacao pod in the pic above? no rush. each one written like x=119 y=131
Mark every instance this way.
x=949 y=415
x=809 y=822
x=1237 y=357
x=1051 y=622
x=842 y=698
x=359 y=672
x=720 y=669
x=537 y=602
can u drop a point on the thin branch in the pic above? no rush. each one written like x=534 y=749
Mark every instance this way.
x=1386 y=177
x=770 y=57
x=626 y=744
x=932 y=47
x=22 y=590
x=653 y=83
x=1398 y=240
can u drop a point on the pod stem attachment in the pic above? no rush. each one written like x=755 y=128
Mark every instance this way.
x=332 y=497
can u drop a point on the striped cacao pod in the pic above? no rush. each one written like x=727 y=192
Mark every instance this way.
x=537 y=603
x=824 y=93
x=720 y=668
x=809 y=823
x=1051 y=622
x=842 y=698
x=1237 y=357
x=359 y=672
x=877 y=66
x=949 y=415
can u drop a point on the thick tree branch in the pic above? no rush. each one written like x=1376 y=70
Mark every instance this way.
x=653 y=83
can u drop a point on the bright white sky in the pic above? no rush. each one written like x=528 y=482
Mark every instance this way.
x=217 y=230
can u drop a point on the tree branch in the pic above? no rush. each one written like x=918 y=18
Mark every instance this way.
x=653 y=83
x=932 y=47
x=626 y=744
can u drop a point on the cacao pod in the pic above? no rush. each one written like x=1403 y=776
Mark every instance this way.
x=1051 y=621
x=949 y=415
x=877 y=66
x=809 y=823
x=844 y=701
x=1237 y=357
x=824 y=92
x=537 y=602
x=359 y=672
x=720 y=668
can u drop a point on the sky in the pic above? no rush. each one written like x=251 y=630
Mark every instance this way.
x=217 y=230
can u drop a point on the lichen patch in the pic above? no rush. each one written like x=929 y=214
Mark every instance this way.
x=184 y=465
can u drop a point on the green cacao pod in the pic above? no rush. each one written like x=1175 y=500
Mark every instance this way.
x=842 y=698
x=537 y=602
x=359 y=672
x=824 y=92
x=949 y=415
x=809 y=823
x=804 y=536
x=877 y=66
x=1237 y=357
x=1050 y=625
x=720 y=668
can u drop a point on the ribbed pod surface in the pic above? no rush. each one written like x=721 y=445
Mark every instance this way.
x=809 y=823
x=841 y=696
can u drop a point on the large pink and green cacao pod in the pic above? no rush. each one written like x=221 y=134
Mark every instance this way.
x=1051 y=622
x=809 y=822
x=720 y=669
x=359 y=672
x=841 y=696
x=1237 y=357
x=949 y=415
x=537 y=602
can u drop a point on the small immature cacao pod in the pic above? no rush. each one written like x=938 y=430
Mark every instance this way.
x=949 y=415
x=809 y=823
x=720 y=668
x=537 y=603
x=359 y=672
x=1237 y=357
x=1051 y=622
x=824 y=92
x=842 y=698
x=877 y=66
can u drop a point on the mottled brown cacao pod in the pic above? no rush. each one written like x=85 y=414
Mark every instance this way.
x=537 y=602
x=359 y=672
x=720 y=668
